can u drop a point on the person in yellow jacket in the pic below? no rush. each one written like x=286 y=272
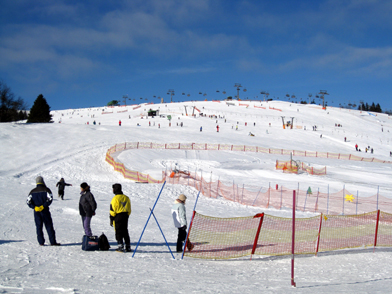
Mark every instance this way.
x=120 y=209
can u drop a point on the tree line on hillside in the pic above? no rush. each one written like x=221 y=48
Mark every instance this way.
x=14 y=109
x=373 y=107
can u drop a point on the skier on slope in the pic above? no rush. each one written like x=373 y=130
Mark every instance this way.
x=61 y=185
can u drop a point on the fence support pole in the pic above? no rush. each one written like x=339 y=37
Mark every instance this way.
x=293 y=243
x=257 y=196
x=376 y=234
x=319 y=234
x=156 y=201
x=257 y=234
x=210 y=183
x=190 y=226
x=328 y=199
x=162 y=234
x=315 y=207
x=281 y=197
x=217 y=189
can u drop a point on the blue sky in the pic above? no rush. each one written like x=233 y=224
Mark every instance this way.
x=87 y=53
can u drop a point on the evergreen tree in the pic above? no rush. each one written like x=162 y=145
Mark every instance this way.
x=114 y=103
x=9 y=105
x=40 y=112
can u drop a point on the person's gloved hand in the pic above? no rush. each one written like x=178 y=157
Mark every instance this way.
x=93 y=213
x=111 y=223
x=39 y=208
x=183 y=227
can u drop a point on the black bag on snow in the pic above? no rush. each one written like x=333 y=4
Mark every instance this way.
x=103 y=243
x=90 y=243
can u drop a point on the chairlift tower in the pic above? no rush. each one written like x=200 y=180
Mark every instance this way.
x=238 y=86
x=171 y=93
x=125 y=97
x=310 y=96
x=322 y=93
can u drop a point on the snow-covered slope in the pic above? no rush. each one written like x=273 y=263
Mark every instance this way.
x=76 y=151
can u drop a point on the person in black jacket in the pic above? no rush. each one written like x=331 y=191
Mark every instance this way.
x=61 y=186
x=40 y=199
x=87 y=207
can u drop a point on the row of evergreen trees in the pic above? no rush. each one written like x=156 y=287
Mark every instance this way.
x=14 y=109
x=373 y=107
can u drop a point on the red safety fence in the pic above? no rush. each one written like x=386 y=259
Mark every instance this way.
x=342 y=202
x=262 y=234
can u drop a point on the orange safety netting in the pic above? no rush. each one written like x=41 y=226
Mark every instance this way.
x=341 y=202
x=225 y=238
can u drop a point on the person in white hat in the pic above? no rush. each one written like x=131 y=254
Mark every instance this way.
x=179 y=218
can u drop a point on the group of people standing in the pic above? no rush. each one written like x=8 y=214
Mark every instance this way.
x=41 y=197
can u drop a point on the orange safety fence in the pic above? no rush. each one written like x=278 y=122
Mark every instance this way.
x=342 y=202
x=289 y=166
x=262 y=234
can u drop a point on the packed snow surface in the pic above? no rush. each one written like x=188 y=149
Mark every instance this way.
x=74 y=147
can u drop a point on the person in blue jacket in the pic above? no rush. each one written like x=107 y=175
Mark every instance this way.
x=40 y=199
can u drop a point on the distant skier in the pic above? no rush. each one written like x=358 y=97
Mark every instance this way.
x=217 y=129
x=61 y=185
x=201 y=129
x=119 y=123
x=356 y=147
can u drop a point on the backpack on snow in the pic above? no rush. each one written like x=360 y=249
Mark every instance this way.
x=103 y=243
x=90 y=243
